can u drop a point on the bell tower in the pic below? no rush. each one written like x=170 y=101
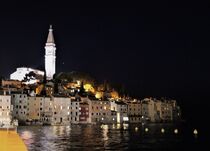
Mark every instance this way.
x=50 y=55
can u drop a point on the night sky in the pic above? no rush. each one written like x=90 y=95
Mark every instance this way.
x=153 y=48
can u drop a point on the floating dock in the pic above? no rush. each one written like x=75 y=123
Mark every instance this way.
x=11 y=141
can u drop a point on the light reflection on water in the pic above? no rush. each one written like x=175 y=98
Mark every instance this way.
x=105 y=137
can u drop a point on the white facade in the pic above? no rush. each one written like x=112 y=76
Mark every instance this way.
x=61 y=111
x=5 y=110
x=20 y=107
x=50 y=55
x=121 y=111
x=20 y=73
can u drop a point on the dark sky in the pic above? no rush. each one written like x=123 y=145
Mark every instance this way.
x=153 y=48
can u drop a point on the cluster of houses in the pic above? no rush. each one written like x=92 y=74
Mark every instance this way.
x=63 y=110
x=22 y=99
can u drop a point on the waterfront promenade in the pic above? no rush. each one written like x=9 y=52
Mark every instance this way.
x=11 y=141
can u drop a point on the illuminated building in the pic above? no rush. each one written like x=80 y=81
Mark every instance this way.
x=5 y=110
x=20 y=107
x=165 y=111
x=149 y=109
x=21 y=72
x=84 y=112
x=100 y=111
x=75 y=109
x=61 y=110
x=50 y=55
x=134 y=111
x=121 y=111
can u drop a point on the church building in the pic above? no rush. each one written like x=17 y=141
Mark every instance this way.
x=50 y=63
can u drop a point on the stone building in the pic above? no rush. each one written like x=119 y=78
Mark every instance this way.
x=100 y=111
x=5 y=110
x=121 y=109
x=134 y=111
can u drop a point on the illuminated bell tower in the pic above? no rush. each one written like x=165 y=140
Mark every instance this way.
x=50 y=55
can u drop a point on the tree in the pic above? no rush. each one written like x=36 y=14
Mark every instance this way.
x=29 y=76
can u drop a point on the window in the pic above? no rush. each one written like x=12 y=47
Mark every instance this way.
x=55 y=113
x=40 y=109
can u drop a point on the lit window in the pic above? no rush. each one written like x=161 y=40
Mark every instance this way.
x=68 y=113
x=61 y=107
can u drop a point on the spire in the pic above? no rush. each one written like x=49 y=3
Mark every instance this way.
x=50 y=38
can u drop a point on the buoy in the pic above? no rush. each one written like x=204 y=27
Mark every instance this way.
x=195 y=132
x=146 y=129
x=176 y=131
x=162 y=130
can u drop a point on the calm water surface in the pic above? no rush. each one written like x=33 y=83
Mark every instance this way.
x=109 y=137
